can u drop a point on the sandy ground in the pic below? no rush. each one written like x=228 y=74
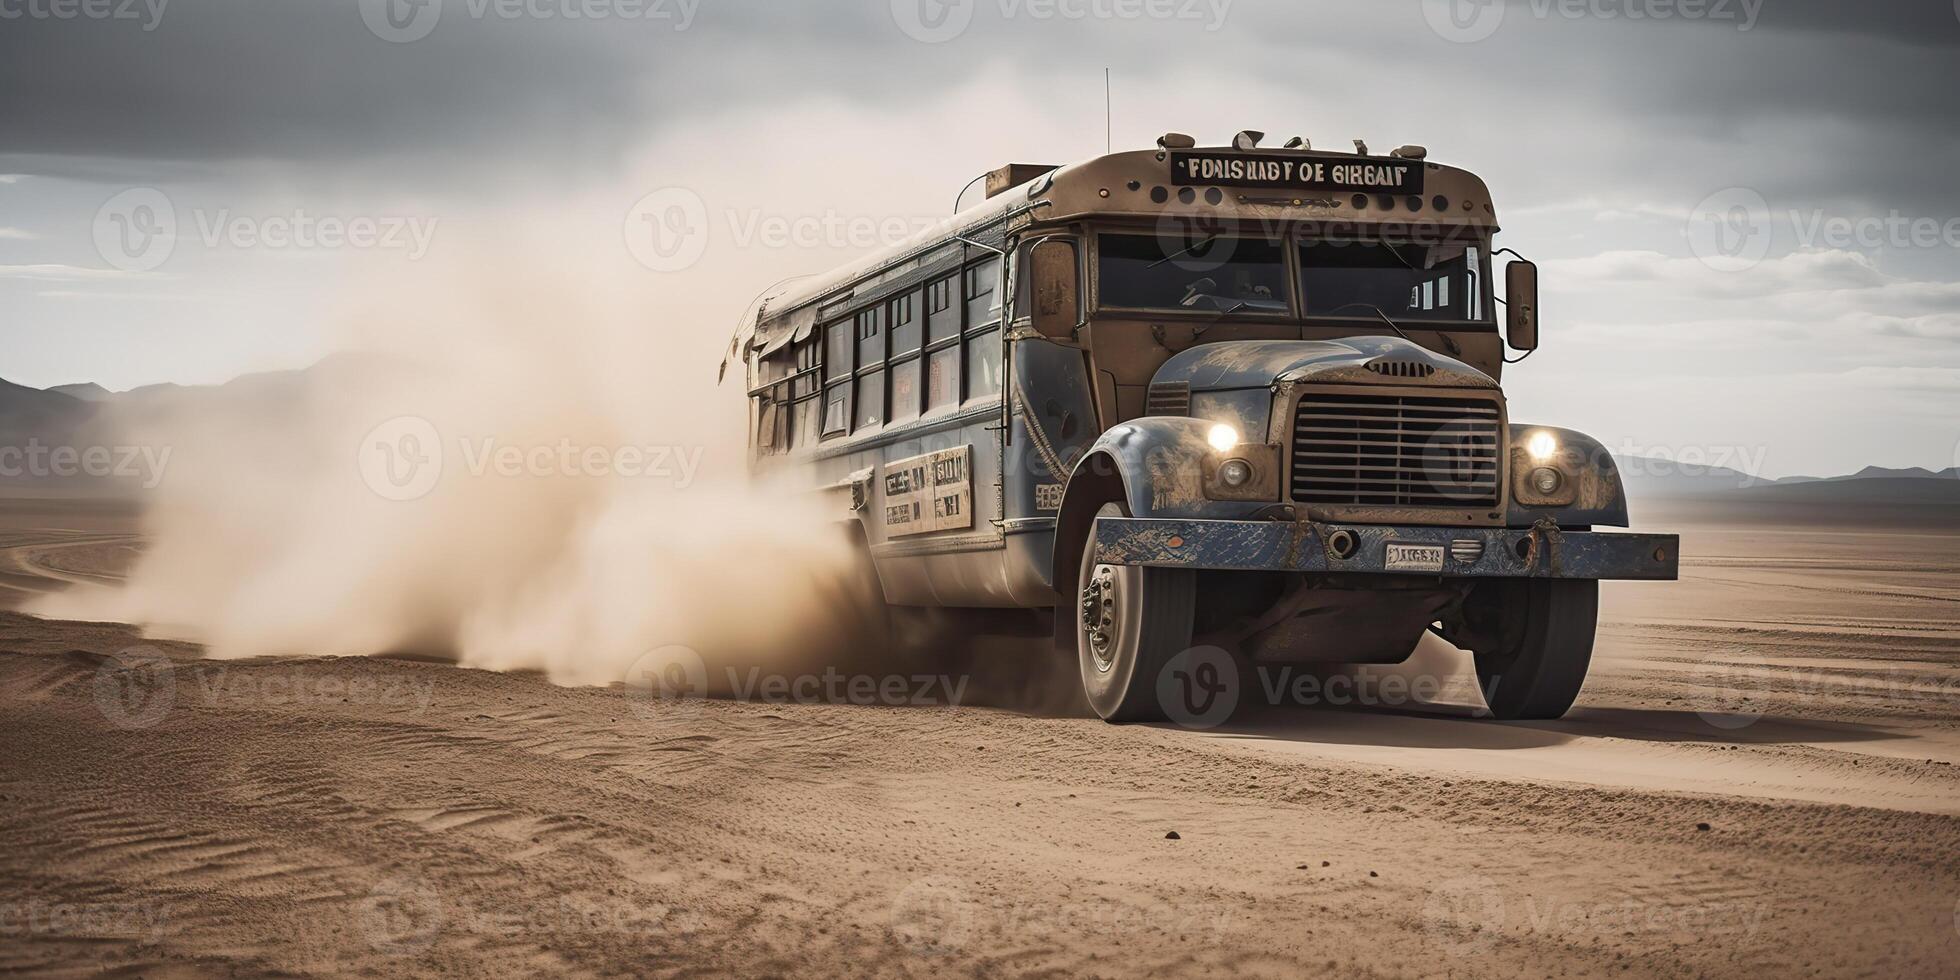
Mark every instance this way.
x=1760 y=779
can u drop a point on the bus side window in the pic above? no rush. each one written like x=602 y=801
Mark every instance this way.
x=943 y=343
x=803 y=421
x=982 y=328
x=837 y=377
x=905 y=331
x=983 y=292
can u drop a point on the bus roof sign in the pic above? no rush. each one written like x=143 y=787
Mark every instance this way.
x=1295 y=172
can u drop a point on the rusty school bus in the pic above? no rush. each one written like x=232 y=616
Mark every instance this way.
x=1235 y=396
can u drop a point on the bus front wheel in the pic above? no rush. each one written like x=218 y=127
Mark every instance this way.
x=1130 y=621
x=1537 y=667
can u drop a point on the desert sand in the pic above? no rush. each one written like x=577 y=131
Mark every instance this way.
x=1759 y=779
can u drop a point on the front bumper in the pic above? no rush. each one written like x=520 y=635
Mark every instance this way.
x=1543 y=551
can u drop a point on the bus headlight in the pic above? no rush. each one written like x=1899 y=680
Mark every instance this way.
x=1235 y=473
x=1222 y=437
x=1546 y=480
x=1542 y=446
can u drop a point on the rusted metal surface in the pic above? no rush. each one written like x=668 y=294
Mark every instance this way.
x=1258 y=363
x=1591 y=494
x=1543 y=551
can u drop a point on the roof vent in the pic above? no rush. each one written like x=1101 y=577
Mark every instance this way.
x=1401 y=369
x=1014 y=175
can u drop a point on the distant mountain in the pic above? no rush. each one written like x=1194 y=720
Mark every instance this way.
x=1887 y=490
x=87 y=391
x=29 y=412
x=1646 y=477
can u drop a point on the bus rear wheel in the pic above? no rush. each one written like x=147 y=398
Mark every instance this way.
x=1130 y=621
x=1536 y=670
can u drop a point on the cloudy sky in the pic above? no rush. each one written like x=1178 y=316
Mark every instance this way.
x=1745 y=210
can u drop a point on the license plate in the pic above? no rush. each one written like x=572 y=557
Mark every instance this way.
x=1414 y=558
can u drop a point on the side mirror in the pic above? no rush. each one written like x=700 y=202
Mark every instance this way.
x=1521 y=305
x=1054 y=307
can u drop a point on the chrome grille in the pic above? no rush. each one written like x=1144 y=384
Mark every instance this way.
x=1393 y=450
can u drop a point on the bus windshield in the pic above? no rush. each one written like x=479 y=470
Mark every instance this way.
x=1200 y=273
x=1403 y=281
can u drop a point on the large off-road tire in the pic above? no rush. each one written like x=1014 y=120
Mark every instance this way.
x=1537 y=671
x=1129 y=622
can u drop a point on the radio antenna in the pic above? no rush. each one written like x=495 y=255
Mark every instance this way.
x=1108 y=145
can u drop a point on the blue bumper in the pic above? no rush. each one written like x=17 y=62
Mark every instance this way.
x=1543 y=551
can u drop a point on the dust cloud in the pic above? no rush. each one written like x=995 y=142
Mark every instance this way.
x=509 y=466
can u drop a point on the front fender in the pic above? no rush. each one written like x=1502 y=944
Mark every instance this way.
x=1592 y=494
x=1155 y=466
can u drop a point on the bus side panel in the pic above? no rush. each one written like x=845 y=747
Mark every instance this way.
x=958 y=566
x=1054 y=424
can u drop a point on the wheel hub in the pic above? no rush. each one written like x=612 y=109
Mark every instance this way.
x=1099 y=611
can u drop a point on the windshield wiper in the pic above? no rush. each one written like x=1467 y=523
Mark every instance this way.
x=1194 y=246
x=1378 y=312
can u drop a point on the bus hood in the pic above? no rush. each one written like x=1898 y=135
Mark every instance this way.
x=1239 y=364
